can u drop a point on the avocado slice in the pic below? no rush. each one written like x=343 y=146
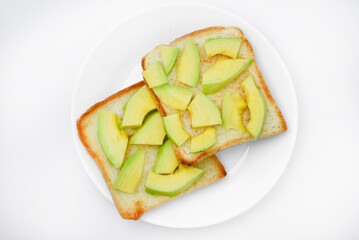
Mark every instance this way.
x=223 y=72
x=173 y=96
x=204 y=112
x=131 y=172
x=174 y=129
x=233 y=107
x=151 y=132
x=112 y=139
x=204 y=141
x=166 y=159
x=173 y=184
x=137 y=108
x=225 y=46
x=154 y=75
x=188 y=65
x=169 y=56
x=257 y=107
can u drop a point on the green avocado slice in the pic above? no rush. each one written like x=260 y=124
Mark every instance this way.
x=204 y=141
x=173 y=96
x=113 y=140
x=174 y=129
x=131 y=172
x=204 y=112
x=233 y=107
x=257 y=107
x=155 y=75
x=166 y=159
x=169 y=56
x=137 y=108
x=188 y=65
x=222 y=73
x=172 y=184
x=151 y=132
x=225 y=46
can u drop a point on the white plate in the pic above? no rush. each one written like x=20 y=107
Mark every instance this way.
x=253 y=168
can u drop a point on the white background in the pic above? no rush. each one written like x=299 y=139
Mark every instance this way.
x=45 y=192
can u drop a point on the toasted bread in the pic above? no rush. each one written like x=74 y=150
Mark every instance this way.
x=274 y=122
x=132 y=206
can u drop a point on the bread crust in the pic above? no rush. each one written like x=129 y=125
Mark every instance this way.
x=266 y=89
x=81 y=127
x=139 y=208
x=81 y=133
x=198 y=32
x=232 y=142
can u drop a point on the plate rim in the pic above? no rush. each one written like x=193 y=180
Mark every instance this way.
x=294 y=126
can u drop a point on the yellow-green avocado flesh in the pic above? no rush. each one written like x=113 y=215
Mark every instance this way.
x=137 y=108
x=188 y=65
x=131 y=172
x=174 y=97
x=222 y=73
x=204 y=112
x=166 y=161
x=224 y=46
x=155 y=75
x=174 y=129
x=113 y=140
x=233 y=107
x=173 y=184
x=169 y=56
x=204 y=140
x=151 y=132
x=257 y=107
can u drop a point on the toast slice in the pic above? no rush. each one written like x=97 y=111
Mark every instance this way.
x=132 y=206
x=274 y=122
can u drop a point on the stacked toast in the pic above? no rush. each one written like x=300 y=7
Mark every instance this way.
x=156 y=139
